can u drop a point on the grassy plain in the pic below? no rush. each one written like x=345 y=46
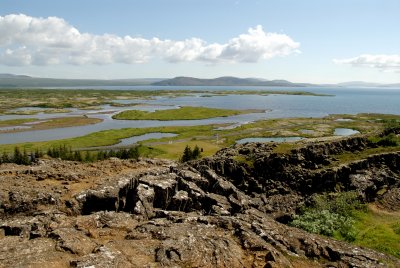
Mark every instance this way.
x=174 y=150
x=184 y=113
x=379 y=229
x=212 y=139
x=14 y=122
x=46 y=123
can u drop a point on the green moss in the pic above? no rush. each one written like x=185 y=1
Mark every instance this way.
x=244 y=160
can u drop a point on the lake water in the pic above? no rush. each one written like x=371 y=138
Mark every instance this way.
x=343 y=101
x=270 y=139
x=345 y=132
x=147 y=136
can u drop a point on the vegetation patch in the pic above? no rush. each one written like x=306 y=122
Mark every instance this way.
x=15 y=122
x=212 y=137
x=111 y=137
x=174 y=149
x=379 y=230
x=184 y=113
x=66 y=153
x=330 y=215
x=344 y=217
x=189 y=154
x=48 y=123
x=247 y=160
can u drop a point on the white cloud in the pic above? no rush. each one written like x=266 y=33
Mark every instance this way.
x=26 y=40
x=256 y=45
x=382 y=62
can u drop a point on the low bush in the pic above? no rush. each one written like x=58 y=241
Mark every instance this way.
x=330 y=215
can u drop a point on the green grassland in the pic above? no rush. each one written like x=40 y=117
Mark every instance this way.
x=108 y=137
x=212 y=139
x=47 y=123
x=184 y=113
x=379 y=229
x=15 y=122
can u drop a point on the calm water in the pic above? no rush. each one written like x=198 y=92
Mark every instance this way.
x=270 y=139
x=147 y=136
x=337 y=132
x=345 y=132
x=344 y=101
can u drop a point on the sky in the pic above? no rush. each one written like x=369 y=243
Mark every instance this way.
x=301 y=41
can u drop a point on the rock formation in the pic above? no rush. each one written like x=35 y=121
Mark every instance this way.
x=228 y=210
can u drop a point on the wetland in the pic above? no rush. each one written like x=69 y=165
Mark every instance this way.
x=214 y=117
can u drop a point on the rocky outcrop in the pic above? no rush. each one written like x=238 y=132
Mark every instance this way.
x=281 y=182
x=223 y=211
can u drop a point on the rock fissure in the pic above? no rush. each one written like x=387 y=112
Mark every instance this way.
x=217 y=211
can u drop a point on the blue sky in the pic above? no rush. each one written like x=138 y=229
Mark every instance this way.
x=301 y=41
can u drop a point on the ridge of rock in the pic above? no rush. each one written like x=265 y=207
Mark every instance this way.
x=219 y=211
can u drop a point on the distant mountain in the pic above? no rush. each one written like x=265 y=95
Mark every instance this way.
x=25 y=81
x=359 y=84
x=11 y=80
x=13 y=76
x=393 y=85
x=226 y=81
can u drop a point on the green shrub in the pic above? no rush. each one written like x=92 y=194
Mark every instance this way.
x=391 y=126
x=330 y=215
x=388 y=140
x=396 y=228
x=344 y=203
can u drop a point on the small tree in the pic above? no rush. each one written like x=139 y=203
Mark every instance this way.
x=196 y=152
x=133 y=153
x=5 y=158
x=17 y=157
x=77 y=156
x=25 y=158
x=187 y=154
x=88 y=157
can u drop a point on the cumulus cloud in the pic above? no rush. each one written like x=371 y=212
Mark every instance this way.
x=382 y=62
x=26 y=40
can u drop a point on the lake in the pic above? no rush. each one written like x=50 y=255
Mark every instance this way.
x=343 y=101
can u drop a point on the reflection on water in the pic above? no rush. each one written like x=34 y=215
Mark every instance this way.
x=344 y=120
x=148 y=136
x=345 y=132
x=271 y=139
x=14 y=128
